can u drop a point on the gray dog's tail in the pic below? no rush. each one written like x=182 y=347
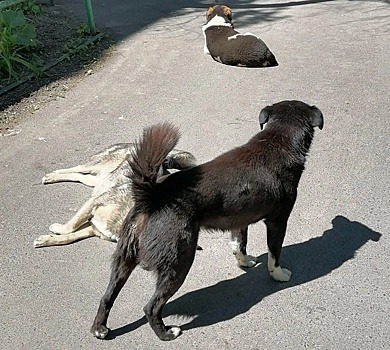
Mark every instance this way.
x=150 y=152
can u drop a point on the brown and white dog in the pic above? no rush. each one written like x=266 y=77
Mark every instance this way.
x=228 y=46
x=253 y=182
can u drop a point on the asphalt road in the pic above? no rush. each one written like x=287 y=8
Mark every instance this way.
x=334 y=54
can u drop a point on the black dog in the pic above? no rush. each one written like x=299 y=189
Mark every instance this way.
x=256 y=181
x=228 y=46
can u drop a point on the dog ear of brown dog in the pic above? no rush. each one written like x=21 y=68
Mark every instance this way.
x=317 y=119
x=225 y=9
x=227 y=12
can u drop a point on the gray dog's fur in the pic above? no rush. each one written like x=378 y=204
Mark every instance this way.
x=103 y=213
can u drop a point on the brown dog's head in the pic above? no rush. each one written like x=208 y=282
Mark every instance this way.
x=292 y=112
x=220 y=10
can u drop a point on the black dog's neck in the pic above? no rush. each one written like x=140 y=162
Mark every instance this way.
x=294 y=142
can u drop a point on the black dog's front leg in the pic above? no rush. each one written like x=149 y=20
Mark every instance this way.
x=276 y=231
x=239 y=240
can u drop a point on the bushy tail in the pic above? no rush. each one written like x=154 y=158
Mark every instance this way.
x=149 y=155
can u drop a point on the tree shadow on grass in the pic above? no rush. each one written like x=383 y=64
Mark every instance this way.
x=308 y=261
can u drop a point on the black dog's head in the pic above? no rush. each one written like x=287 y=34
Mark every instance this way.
x=219 y=10
x=289 y=112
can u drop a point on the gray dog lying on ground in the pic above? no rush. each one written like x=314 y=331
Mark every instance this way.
x=103 y=213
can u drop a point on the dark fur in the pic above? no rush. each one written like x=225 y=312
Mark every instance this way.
x=244 y=50
x=256 y=181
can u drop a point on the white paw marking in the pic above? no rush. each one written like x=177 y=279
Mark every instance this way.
x=245 y=260
x=100 y=335
x=281 y=275
x=175 y=331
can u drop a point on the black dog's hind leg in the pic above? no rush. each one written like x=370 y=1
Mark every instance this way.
x=276 y=231
x=121 y=270
x=239 y=240
x=169 y=279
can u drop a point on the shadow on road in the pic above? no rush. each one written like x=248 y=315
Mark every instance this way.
x=308 y=261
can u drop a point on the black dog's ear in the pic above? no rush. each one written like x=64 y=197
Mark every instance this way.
x=317 y=118
x=264 y=116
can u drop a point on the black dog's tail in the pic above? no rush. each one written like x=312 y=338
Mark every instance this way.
x=150 y=152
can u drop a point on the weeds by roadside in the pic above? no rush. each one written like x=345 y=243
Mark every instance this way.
x=18 y=41
x=58 y=35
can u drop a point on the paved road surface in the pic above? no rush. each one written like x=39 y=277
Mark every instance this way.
x=334 y=54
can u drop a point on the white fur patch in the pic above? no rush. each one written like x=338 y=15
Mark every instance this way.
x=277 y=273
x=281 y=275
x=235 y=36
x=234 y=246
x=242 y=260
x=271 y=262
x=216 y=21
x=175 y=331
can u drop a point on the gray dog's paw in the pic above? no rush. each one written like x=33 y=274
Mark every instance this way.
x=41 y=241
x=49 y=178
x=59 y=229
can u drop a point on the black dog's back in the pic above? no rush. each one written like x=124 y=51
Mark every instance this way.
x=237 y=188
x=255 y=181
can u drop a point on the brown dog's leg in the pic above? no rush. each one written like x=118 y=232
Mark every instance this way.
x=120 y=272
x=276 y=231
x=239 y=239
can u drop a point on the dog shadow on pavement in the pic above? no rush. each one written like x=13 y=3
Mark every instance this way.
x=308 y=261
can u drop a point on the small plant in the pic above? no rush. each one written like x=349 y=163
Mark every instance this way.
x=18 y=38
x=83 y=30
x=29 y=7
x=74 y=46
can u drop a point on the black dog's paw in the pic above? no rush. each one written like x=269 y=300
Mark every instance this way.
x=198 y=247
x=99 y=332
x=171 y=333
